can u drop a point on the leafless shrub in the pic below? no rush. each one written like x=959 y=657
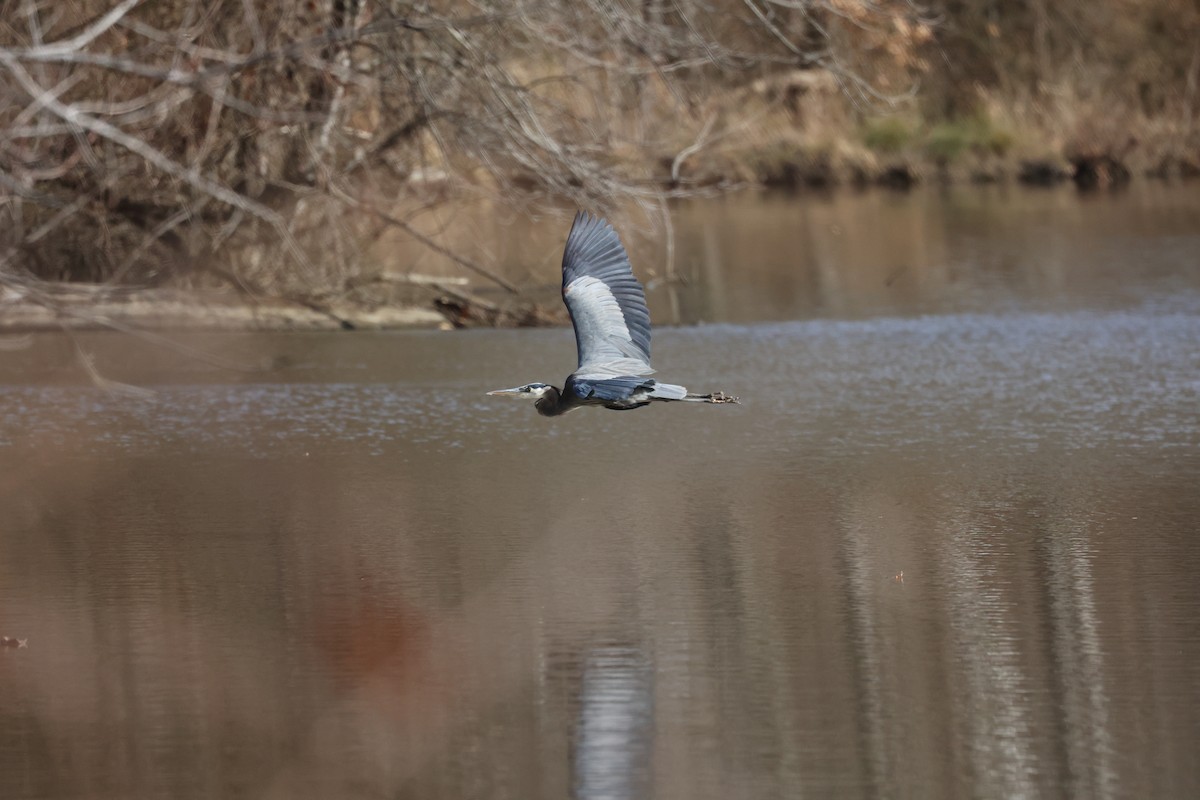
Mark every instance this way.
x=232 y=141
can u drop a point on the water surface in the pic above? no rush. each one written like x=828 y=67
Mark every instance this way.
x=945 y=548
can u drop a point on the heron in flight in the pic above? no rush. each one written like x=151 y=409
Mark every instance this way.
x=612 y=331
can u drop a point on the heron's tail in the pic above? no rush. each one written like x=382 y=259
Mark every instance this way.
x=669 y=391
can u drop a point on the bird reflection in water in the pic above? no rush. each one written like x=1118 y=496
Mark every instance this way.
x=611 y=746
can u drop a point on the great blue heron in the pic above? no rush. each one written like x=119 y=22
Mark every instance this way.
x=612 y=331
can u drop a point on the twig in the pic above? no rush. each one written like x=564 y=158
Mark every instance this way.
x=101 y=382
x=425 y=240
x=88 y=35
x=155 y=157
x=695 y=147
x=410 y=278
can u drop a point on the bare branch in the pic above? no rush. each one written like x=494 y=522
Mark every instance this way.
x=88 y=35
x=183 y=142
x=192 y=177
x=695 y=147
x=437 y=248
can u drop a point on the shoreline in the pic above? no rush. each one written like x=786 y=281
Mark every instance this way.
x=160 y=310
x=449 y=304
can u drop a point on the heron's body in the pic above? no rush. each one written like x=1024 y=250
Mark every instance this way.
x=612 y=331
x=620 y=394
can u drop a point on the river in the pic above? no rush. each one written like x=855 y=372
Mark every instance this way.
x=946 y=547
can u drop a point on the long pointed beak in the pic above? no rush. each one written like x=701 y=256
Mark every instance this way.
x=506 y=392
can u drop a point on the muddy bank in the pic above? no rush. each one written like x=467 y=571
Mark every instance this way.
x=182 y=310
x=75 y=308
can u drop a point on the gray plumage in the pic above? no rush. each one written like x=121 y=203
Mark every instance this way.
x=606 y=303
x=612 y=330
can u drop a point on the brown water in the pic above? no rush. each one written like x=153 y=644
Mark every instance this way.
x=946 y=547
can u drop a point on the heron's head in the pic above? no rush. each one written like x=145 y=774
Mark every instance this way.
x=531 y=391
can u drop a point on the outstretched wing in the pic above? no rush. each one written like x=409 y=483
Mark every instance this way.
x=606 y=303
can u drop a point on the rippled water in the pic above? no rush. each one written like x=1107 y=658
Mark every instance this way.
x=932 y=555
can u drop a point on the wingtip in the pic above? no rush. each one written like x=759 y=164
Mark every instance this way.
x=585 y=218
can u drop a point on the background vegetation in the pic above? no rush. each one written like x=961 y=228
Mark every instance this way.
x=263 y=144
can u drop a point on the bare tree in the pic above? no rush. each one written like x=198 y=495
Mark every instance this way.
x=185 y=142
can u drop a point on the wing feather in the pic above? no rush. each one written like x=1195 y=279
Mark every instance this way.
x=606 y=302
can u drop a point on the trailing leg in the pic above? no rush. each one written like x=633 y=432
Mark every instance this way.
x=714 y=397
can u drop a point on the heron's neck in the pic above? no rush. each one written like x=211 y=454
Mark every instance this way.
x=550 y=404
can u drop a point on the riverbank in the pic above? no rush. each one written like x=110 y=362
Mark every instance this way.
x=202 y=310
x=741 y=257
x=300 y=159
x=800 y=130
